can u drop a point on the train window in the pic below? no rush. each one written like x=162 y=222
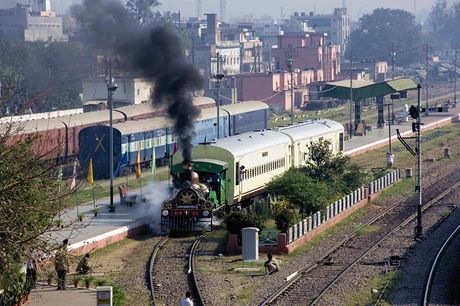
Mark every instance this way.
x=264 y=154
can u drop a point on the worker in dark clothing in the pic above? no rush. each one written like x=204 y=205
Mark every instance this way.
x=271 y=265
x=83 y=267
x=61 y=265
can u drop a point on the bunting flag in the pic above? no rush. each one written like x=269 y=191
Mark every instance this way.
x=90 y=172
x=153 y=162
x=123 y=163
x=59 y=178
x=74 y=176
x=138 y=164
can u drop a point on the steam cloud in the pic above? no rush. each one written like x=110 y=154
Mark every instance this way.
x=155 y=53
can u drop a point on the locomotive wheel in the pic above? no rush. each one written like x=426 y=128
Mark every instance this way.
x=187 y=197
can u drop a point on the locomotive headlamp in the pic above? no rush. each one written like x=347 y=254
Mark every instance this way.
x=165 y=213
x=205 y=213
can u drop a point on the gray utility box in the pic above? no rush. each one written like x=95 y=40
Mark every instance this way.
x=250 y=243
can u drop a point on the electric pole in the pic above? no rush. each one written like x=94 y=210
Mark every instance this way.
x=290 y=64
x=455 y=77
x=351 y=93
x=218 y=76
x=111 y=87
x=393 y=59
x=418 y=187
x=426 y=79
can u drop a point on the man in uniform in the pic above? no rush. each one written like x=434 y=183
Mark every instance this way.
x=61 y=265
x=83 y=267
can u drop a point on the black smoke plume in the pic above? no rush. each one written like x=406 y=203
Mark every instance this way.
x=156 y=53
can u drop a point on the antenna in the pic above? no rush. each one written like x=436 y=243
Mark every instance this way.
x=198 y=8
x=222 y=10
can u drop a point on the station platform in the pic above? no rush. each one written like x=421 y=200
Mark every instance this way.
x=108 y=227
x=94 y=232
x=378 y=137
x=49 y=296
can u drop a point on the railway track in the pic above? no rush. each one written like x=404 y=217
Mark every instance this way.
x=171 y=271
x=313 y=280
x=451 y=242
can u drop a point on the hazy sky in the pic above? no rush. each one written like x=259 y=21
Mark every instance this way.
x=240 y=8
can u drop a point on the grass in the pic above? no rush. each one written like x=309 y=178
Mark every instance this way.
x=365 y=295
x=445 y=213
x=102 y=187
x=368 y=229
x=433 y=145
x=404 y=188
x=246 y=294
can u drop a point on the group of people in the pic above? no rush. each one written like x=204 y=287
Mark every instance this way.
x=61 y=265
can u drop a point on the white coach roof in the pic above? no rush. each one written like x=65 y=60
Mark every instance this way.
x=310 y=129
x=247 y=143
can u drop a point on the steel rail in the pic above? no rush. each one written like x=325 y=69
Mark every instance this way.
x=331 y=250
x=434 y=265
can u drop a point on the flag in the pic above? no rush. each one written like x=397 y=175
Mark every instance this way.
x=90 y=172
x=74 y=176
x=138 y=164
x=123 y=162
x=153 y=162
x=175 y=148
x=59 y=178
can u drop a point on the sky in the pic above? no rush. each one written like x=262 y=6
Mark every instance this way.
x=242 y=8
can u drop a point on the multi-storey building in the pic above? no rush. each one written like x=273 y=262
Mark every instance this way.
x=21 y=23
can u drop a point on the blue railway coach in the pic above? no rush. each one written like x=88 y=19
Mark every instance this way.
x=156 y=134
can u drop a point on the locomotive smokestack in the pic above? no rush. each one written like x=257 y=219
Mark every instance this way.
x=154 y=53
x=187 y=166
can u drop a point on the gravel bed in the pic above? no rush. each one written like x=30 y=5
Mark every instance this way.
x=225 y=288
x=170 y=271
x=402 y=244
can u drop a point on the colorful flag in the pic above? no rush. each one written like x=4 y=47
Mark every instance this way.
x=138 y=164
x=59 y=178
x=90 y=172
x=74 y=176
x=153 y=162
x=175 y=148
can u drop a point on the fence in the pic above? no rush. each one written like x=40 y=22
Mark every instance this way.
x=336 y=208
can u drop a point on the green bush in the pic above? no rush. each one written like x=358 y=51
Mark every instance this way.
x=284 y=219
x=239 y=220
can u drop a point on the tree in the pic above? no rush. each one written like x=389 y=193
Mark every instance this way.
x=384 y=29
x=142 y=10
x=322 y=163
x=300 y=191
x=29 y=203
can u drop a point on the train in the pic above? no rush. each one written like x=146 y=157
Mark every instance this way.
x=231 y=173
x=153 y=138
x=57 y=132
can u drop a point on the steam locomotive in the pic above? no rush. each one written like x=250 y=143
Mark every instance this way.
x=231 y=173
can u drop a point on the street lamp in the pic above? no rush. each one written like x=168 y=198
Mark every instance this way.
x=111 y=87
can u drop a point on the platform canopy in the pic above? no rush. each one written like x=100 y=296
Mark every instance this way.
x=366 y=89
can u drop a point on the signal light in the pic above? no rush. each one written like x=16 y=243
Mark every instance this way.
x=413 y=112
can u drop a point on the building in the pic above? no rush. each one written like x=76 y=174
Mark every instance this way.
x=308 y=51
x=22 y=24
x=335 y=26
x=275 y=88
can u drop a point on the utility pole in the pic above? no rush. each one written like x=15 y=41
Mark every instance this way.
x=393 y=60
x=390 y=157
x=455 y=78
x=218 y=76
x=426 y=79
x=351 y=94
x=111 y=87
x=290 y=64
x=418 y=187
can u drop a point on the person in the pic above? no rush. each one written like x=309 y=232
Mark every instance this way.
x=271 y=265
x=61 y=265
x=83 y=267
x=187 y=300
x=31 y=272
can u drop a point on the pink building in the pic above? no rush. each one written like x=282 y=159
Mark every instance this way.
x=274 y=88
x=309 y=52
